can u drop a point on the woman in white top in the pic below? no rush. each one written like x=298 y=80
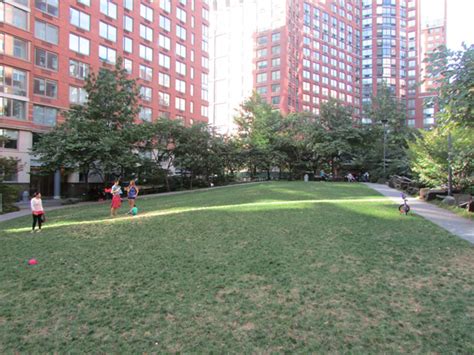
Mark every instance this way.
x=37 y=210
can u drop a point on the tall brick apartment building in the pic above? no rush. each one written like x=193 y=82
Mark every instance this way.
x=311 y=50
x=47 y=48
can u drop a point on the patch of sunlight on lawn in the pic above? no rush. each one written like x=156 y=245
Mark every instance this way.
x=237 y=207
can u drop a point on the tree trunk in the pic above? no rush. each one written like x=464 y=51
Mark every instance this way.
x=191 y=182
x=268 y=174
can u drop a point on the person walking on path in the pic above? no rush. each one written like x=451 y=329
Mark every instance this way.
x=116 y=191
x=37 y=211
x=132 y=193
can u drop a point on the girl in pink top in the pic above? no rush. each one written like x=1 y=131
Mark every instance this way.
x=37 y=210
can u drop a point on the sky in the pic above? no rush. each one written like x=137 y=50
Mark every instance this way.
x=460 y=19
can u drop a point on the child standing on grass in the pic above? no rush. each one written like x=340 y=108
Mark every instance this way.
x=116 y=190
x=132 y=193
x=37 y=211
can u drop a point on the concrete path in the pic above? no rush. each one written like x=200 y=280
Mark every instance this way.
x=462 y=227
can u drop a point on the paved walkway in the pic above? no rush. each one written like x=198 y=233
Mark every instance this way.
x=462 y=227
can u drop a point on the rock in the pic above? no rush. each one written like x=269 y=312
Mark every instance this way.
x=449 y=200
x=423 y=192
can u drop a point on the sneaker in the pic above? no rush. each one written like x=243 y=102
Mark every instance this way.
x=32 y=231
x=39 y=230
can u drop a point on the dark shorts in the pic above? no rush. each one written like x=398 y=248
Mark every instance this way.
x=132 y=197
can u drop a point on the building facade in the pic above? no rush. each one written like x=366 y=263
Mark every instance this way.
x=48 y=47
x=343 y=49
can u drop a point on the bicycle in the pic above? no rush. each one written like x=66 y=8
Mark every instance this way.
x=404 y=208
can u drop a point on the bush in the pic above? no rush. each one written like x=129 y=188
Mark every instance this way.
x=10 y=195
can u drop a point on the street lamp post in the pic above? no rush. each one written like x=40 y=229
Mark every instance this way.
x=384 y=122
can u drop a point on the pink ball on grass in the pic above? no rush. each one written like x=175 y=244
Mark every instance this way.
x=32 y=262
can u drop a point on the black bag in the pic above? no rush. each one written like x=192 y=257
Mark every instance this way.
x=43 y=218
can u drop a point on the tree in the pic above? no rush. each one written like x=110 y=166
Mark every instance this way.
x=429 y=157
x=453 y=72
x=193 y=153
x=8 y=166
x=334 y=135
x=258 y=124
x=97 y=136
x=157 y=142
x=386 y=113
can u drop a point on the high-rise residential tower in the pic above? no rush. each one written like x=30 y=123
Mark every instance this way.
x=312 y=50
x=48 y=47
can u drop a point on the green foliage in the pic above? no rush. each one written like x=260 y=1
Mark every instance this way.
x=97 y=136
x=429 y=157
x=454 y=74
x=388 y=116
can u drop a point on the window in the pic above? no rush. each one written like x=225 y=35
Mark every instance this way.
x=145 y=114
x=262 y=77
x=164 y=60
x=79 y=44
x=262 y=40
x=262 y=90
x=108 y=8
x=180 y=104
x=146 y=32
x=165 y=5
x=79 y=19
x=10 y=138
x=275 y=62
x=85 y=2
x=107 y=31
x=276 y=75
x=180 y=68
x=205 y=111
x=127 y=45
x=145 y=93
x=262 y=53
x=128 y=4
x=77 y=96
x=128 y=65
x=181 y=14
x=164 y=99
x=12 y=108
x=164 y=42
x=107 y=54
x=13 y=81
x=146 y=52
x=13 y=16
x=128 y=23
x=165 y=23
x=45 y=87
x=46 y=32
x=146 y=73
x=48 y=6
x=45 y=59
x=181 y=50
x=78 y=69
x=146 y=12
x=164 y=79
x=275 y=37
x=13 y=46
x=275 y=87
x=181 y=32
x=205 y=62
x=180 y=86
x=44 y=115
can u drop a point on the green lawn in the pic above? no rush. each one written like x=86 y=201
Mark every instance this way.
x=270 y=267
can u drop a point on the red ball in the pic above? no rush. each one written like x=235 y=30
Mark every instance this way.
x=32 y=262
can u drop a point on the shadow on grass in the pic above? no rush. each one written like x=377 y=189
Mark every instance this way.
x=299 y=276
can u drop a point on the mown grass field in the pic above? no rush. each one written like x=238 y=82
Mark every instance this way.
x=270 y=267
